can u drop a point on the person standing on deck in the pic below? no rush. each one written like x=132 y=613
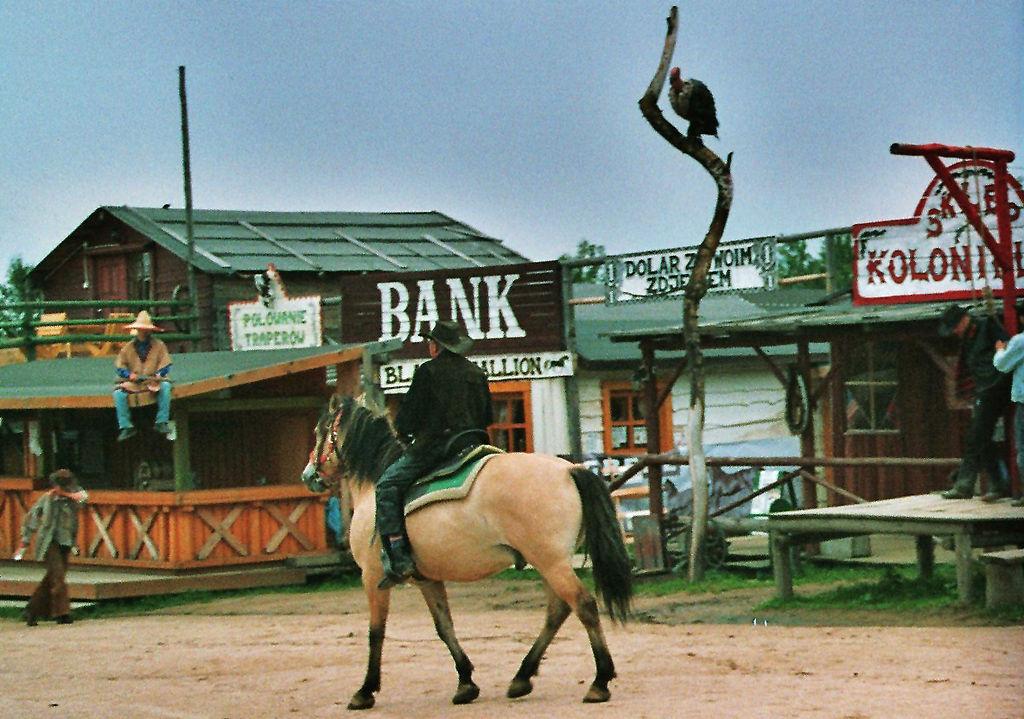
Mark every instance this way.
x=978 y=337
x=143 y=365
x=54 y=519
x=1009 y=357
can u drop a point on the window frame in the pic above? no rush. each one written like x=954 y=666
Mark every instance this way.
x=610 y=387
x=872 y=411
x=516 y=387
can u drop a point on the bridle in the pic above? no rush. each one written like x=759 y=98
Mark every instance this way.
x=325 y=447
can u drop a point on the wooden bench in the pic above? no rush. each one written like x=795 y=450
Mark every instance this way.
x=1004 y=578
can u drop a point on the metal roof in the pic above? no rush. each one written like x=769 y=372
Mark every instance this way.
x=765 y=316
x=596 y=324
x=245 y=240
x=82 y=382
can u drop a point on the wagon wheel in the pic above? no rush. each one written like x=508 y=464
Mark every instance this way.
x=716 y=549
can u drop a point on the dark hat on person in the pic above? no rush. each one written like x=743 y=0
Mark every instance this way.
x=450 y=335
x=66 y=480
x=950 y=319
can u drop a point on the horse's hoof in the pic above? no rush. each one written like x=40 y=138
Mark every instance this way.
x=361 y=701
x=519 y=688
x=596 y=695
x=466 y=693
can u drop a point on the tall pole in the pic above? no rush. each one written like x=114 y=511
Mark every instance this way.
x=187 y=170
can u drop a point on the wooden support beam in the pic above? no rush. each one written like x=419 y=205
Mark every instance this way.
x=775 y=369
x=181 y=451
x=287 y=526
x=828 y=485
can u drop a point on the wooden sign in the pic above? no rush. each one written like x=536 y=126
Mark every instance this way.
x=505 y=309
x=739 y=265
x=397 y=376
x=936 y=254
x=274 y=320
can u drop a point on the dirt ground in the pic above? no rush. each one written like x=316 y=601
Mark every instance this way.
x=302 y=655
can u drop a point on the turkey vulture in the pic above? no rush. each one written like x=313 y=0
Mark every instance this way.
x=692 y=100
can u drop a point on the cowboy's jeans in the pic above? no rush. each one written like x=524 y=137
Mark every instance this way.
x=124 y=412
x=393 y=484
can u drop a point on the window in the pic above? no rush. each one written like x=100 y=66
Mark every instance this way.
x=870 y=389
x=512 y=429
x=625 y=421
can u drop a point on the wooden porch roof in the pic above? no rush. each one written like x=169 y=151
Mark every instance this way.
x=88 y=382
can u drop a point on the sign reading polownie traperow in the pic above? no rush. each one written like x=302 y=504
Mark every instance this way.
x=738 y=265
x=274 y=320
x=936 y=254
x=505 y=309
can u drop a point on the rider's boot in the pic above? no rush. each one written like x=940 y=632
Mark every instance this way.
x=396 y=557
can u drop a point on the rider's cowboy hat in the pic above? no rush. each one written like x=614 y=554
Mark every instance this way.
x=450 y=335
x=144 y=322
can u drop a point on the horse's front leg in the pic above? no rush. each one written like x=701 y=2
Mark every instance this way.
x=437 y=601
x=379 y=601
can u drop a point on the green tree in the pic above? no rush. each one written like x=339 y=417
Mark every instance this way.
x=16 y=288
x=586 y=251
x=796 y=259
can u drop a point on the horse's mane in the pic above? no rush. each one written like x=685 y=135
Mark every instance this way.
x=367 y=443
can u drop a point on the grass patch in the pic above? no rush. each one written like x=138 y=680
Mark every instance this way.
x=897 y=589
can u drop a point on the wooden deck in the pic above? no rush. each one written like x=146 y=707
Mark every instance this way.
x=94 y=584
x=971 y=522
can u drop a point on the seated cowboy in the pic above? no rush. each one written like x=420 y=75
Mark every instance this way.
x=446 y=410
x=143 y=365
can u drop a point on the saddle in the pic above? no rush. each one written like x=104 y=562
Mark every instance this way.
x=452 y=479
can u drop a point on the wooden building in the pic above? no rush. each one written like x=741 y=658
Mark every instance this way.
x=226 y=491
x=888 y=390
x=125 y=253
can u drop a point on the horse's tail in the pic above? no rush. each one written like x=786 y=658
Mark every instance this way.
x=613 y=573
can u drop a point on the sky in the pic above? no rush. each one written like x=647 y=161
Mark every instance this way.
x=519 y=119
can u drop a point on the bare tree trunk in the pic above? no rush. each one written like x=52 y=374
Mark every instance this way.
x=696 y=288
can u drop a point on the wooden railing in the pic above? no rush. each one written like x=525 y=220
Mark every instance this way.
x=169 y=530
x=57 y=328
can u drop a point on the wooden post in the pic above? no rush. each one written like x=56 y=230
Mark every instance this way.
x=650 y=390
x=803 y=364
x=962 y=542
x=186 y=162
x=182 y=465
x=781 y=566
x=925 y=555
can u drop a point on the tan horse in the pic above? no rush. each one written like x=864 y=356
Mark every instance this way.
x=539 y=506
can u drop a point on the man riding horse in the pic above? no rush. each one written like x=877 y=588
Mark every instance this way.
x=446 y=410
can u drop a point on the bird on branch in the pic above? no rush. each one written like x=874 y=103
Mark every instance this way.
x=692 y=101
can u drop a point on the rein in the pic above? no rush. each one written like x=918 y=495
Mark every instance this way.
x=329 y=445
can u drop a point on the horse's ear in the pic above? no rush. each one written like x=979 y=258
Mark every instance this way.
x=334 y=403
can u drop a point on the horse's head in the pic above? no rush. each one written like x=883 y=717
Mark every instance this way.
x=324 y=466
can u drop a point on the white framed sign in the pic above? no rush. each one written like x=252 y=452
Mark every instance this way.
x=397 y=376
x=274 y=320
x=937 y=254
x=738 y=265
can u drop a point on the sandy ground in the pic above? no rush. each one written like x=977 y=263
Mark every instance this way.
x=303 y=655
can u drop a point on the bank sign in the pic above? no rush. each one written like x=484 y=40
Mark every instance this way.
x=505 y=309
x=397 y=376
x=937 y=254
x=274 y=320
x=737 y=266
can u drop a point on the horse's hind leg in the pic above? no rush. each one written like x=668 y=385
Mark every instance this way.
x=379 y=601
x=558 y=610
x=564 y=582
x=437 y=601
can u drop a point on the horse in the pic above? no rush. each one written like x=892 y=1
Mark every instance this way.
x=533 y=506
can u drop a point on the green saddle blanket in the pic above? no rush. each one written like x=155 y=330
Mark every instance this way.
x=452 y=480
